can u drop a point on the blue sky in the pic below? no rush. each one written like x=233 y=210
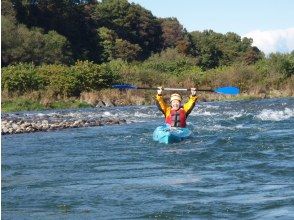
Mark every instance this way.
x=269 y=22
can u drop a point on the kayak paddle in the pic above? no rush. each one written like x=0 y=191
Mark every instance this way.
x=228 y=90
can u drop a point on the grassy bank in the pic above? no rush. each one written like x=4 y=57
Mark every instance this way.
x=91 y=99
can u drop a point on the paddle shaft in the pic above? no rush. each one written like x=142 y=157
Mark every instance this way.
x=227 y=90
x=175 y=89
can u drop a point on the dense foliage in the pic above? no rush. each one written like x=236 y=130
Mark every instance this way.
x=60 y=80
x=64 y=31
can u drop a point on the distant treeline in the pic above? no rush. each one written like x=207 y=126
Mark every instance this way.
x=65 y=31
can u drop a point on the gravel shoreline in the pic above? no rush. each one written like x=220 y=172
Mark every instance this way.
x=17 y=127
x=16 y=124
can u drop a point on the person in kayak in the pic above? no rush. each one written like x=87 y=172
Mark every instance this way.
x=176 y=114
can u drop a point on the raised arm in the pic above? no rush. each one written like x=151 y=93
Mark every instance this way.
x=161 y=104
x=189 y=105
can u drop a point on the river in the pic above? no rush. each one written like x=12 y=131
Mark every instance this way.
x=238 y=163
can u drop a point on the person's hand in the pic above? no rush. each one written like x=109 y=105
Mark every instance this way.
x=193 y=91
x=159 y=90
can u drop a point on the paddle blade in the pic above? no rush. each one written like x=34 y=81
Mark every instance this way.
x=229 y=90
x=124 y=86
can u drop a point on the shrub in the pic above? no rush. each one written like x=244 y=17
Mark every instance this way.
x=21 y=78
x=58 y=79
x=282 y=63
x=90 y=76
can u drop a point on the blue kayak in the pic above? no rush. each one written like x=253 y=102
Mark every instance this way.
x=167 y=135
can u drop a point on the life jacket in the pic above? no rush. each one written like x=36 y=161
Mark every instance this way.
x=176 y=118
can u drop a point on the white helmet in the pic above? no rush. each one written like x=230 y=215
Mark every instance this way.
x=175 y=96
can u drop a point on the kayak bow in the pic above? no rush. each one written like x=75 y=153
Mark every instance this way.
x=167 y=135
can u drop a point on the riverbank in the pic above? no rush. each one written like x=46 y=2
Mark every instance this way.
x=110 y=98
x=29 y=87
x=97 y=113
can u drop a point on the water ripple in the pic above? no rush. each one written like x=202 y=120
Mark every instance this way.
x=238 y=164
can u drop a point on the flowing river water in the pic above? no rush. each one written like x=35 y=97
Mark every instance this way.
x=238 y=163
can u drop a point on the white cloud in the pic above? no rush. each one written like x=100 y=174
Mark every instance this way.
x=272 y=41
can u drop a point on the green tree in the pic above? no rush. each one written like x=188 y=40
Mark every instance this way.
x=175 y=36
x=252 y=55
x=125 y=50
x=31 y=45
x=69 y=18
x=173 y=32
x=107 y=43
x=56 y=49
x=207 y=44
x=131 y=23
x=215 y=49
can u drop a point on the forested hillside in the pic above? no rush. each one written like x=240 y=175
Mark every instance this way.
x=63 y=31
